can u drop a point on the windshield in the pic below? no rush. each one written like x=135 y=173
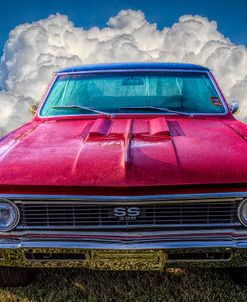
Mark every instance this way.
x=128 y=92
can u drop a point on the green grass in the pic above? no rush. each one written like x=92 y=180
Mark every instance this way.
x=79 y=285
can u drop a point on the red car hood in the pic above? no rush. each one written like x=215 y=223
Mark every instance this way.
x=125 y=152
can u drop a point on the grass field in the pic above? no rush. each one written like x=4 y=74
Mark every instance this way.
x=177 y=285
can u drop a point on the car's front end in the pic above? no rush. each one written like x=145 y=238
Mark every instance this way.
x=126 y=167
x=150 y=232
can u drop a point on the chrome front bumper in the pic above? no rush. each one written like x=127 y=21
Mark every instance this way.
x=148 y=251
x=227 y=238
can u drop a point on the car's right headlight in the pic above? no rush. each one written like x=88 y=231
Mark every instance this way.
x=242 y=212
x=9 y=215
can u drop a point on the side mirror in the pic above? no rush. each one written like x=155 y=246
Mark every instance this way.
x=234 y=107
x=33 y=108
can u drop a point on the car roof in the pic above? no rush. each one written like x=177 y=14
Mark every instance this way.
x=130 y=66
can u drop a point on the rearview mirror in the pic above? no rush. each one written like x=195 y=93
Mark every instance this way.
x=234 y=107
x=33 y=108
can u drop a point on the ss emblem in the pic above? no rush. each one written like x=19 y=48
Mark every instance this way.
x=126 y=213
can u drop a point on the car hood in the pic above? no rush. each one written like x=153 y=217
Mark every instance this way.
x=125 y=152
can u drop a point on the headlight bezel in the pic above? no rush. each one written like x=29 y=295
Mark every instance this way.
x=16 y=215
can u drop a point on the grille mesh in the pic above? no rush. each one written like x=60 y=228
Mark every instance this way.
x=77 y=216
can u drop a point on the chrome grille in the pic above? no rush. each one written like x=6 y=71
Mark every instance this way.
x=76 y=215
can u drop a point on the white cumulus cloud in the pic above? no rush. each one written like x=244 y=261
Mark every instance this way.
x=34 y=50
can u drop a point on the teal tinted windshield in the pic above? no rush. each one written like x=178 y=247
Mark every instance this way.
x=127 y=92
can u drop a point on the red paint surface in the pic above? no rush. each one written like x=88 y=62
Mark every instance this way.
x=91 y=152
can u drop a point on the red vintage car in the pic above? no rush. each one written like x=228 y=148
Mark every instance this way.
x=136 y=166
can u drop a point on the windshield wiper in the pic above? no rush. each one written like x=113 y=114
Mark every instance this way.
x=82 y=108
x=158 y=109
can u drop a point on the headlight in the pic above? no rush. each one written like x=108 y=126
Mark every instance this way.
x=9 y=215
x=242 y=212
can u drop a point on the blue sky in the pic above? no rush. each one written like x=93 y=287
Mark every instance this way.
x=231 y=15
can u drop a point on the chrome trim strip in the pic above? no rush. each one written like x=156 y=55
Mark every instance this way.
x=130 y=227
x=124 y=70
x=234 y=233
x=126 y=202
x=217 y=243
x=138 y=198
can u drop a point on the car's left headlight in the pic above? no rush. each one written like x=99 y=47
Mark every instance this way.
x=9 y=215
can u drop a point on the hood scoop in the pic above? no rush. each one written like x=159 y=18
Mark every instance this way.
x=155 y=128
x=158 y=128
x=100 y=128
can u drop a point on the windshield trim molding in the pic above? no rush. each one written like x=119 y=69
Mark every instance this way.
x=158 y=70
x=223 y=101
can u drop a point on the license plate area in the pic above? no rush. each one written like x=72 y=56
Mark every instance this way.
x=136 y=260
